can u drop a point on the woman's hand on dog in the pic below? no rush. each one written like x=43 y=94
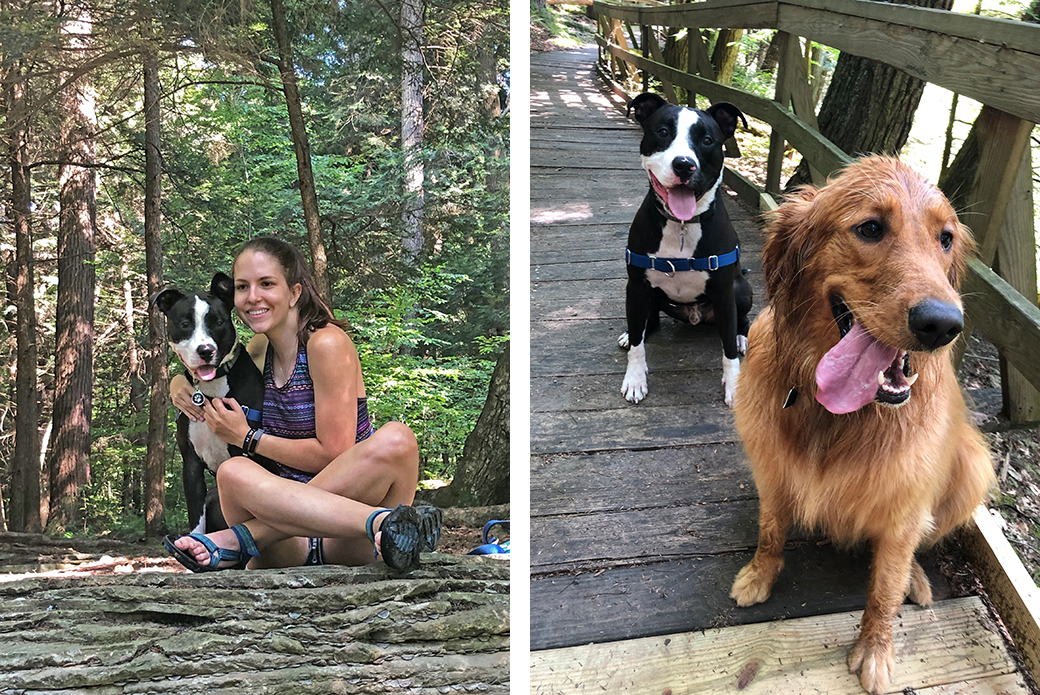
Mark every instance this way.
x=225 y=418
x=180 y=394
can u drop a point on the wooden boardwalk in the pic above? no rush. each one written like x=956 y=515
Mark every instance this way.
x=641 y=515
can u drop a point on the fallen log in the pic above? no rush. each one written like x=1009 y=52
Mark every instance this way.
x=442 y=629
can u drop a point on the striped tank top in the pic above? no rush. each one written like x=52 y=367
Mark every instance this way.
x=289 y=410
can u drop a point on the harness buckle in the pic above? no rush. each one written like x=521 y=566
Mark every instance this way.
x=670 y=265
x=713 y=262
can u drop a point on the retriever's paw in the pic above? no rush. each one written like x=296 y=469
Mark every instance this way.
x=751 y=586
x=874 y=659
x=622 y=341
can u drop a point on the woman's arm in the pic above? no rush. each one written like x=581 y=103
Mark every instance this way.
x=180 y=393
x=334 y=368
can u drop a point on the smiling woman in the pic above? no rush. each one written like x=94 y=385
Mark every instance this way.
x=330 y=490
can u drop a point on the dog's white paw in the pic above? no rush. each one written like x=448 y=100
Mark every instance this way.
x=622 y=341
x=634 y=386
x=730 y=372
x=742 y=344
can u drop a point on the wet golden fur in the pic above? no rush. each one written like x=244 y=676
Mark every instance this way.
x=897 y=477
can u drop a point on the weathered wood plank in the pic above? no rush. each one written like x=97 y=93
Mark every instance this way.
x=687 y=595
x=1004 y=317
x=673 y=385
x=590 y=347
x=590 y=270
x=955 y=641
x=635 y=427
x=589 y=483
x=1012 y=590
x=1010 y=82
x=591 y=542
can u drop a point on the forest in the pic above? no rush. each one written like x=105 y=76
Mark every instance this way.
x=143 y=142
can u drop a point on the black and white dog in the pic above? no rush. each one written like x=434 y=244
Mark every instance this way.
x=683 y=254
x=202 y=333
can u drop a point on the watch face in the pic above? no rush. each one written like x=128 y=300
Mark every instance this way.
x=197 y=398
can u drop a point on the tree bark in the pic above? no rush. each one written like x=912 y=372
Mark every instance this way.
x=482 y=476
x=412 y=12
x=25 y=470
x=68 y=462
x=886 y=99
x=724 y=57
x=302 y=148
x=138 y=389
x=155 y=461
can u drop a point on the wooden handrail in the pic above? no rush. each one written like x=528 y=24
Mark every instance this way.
x=946 y=48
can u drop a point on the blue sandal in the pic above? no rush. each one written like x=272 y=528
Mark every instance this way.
x=405 y=533
x=247 y=550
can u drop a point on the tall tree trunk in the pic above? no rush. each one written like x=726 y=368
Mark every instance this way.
x=302 y=147
x=25 y=471
x=482 y=476
x=724 y=57
x=138 y=388
x=155 y=461
x=886 y=99
x=68 y=462
x=412 y=20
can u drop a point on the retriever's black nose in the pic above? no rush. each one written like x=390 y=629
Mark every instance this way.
x=684 y=167
x=936 y=323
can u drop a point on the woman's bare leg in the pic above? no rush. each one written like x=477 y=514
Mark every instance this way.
x=380 y=471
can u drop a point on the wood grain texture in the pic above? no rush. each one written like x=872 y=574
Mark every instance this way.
x=1012 y=590
x=618 y=480
x=951 y=643
x=1004 y=316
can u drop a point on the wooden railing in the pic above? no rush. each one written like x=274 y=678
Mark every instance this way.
x=994 y=61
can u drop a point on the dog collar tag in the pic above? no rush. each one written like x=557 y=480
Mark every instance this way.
x=792 y=396
x=197 y=398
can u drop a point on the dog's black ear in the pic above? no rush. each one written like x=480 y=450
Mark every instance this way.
x=223 y=288
x=727 y=115
x=644 y=105
x=165 y=299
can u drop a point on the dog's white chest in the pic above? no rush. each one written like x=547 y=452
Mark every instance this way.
x=210 y=448
x=679 y=241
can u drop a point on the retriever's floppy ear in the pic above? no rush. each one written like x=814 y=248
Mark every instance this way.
x=963 y=249
x=790 y=244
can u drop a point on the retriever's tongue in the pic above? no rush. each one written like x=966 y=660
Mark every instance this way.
x=682 y=202
x=206 y=372
x=847 y=376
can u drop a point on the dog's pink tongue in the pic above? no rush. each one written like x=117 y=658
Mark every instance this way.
x=682 y=202
x=847 y=376
x=206 y=372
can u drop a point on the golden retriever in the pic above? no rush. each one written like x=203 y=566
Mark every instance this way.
x=847 y=403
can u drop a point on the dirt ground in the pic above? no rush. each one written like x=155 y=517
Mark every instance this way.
x=23 y=555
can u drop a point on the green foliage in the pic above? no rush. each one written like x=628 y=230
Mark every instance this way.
x=427 y=333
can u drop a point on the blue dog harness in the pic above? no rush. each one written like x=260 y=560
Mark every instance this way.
x=673 y=265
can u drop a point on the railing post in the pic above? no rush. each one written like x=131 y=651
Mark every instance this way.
x=644 y=47
x=1016 y=263
x=1002 y=140
x=691 y=62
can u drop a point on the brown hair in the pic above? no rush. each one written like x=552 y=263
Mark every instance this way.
x=313 y=311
